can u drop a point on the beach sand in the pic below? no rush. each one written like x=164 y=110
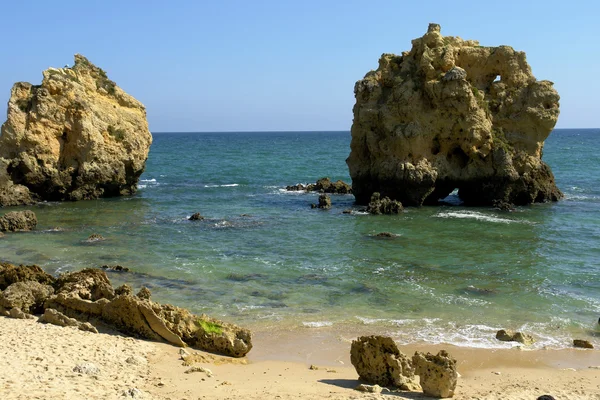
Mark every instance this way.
x=37 y=362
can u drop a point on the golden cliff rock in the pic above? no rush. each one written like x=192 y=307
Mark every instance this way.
x=76 y=136
x=451 y=114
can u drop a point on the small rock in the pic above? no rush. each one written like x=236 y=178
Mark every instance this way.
x=324 y=202
x=583 y=344
x=511 y=336
x=95 y=237
x=207 y=371
x=144 y=293
x=136 y=360
x=183 y=353
x=313 y=367
x=18 y=314
x=124 y=290
x=386 y=206
x=546 y=397
x=87 y=369
x=385 y=235
x=134 y=393
x=116 y=268
x=368 y=388
x=196 y=217
x=496 y=372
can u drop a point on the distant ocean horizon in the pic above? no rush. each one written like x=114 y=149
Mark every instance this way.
x=264 y=259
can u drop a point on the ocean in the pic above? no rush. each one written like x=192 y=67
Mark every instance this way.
x=264 y=259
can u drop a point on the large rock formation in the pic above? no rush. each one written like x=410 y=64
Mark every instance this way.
x=18 y=221
x=76 y=136
x=452 y=114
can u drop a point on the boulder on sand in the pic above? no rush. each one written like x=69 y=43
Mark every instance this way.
x=437 y=373
x=27 y=296
x=378 y=361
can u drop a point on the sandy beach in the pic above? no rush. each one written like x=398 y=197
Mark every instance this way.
x=41 y=361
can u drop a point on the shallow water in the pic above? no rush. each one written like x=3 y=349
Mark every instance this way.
x=264 y=258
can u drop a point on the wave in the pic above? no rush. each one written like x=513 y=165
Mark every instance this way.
x=224 y=185
x=317 y=324
x=479 y=217
x=144 y=183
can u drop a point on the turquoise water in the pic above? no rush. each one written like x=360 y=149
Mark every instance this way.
x=263 y=258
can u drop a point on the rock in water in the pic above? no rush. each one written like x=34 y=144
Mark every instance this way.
x=18 y=221
x=437 y=373
x=452 y=114
x=506 y=335
x=76 y=136
x=378 y=361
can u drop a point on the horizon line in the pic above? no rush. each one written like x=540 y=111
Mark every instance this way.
x=311 y=131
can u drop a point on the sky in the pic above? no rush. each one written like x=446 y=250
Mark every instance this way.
x=255 y=65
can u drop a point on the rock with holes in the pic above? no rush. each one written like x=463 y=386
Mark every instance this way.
x=378 y=361
x=10 y=274
x=437 y=373
x=76 y=136
x=28 y=296
x=451 y=114
x=18 y=221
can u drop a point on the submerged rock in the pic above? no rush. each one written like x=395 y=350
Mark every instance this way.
x=511 y=336
x=437 y=373
x=452 y=114
x=378 y=361
x=196 y=217
x=18 y=221
x=76 y=136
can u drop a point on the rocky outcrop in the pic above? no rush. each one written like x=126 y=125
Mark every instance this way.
x=76 y=136
x=452 y=114
x=323 y=185
x=28 y=297
x=18 y=221
x=10 y=274
x=88 y=295
x=506 y=335
x=377 y=205
x=378 y=360
x=437 y=373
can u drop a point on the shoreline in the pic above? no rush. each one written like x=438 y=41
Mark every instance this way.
x=43 y=357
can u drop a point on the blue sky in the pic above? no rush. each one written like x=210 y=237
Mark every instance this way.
x=284 y=65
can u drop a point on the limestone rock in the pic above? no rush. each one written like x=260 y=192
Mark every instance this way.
x=28 y=296
x=324 y=202
x=377 y=205
x=323 y=185
x=95 y=237
x=378 y=360
x=144 y=293
x=437 y=373
x=583 y=344
x=506 y=335
x=86 y=369
x=55 y=317
x=196 y=217
x=87 y=284
x=124 y=289
x=18 y=221
x=18 y=314
x=76 y=136
x=10 y=274
x=369 y=388
x=450 y=114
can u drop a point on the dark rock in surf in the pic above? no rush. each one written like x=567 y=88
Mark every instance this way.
x=196 y=217
x=385 y=205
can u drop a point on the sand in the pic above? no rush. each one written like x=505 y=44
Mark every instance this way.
x=38 y=360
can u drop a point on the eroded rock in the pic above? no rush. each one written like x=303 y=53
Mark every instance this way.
x=28 y=296
x=378 y=361
x=55 y=317
x=76 y=136
x=323 y=185
x=10 y=274
x=507 y=335
x=18 y=221
x=583 y=344
x=378 y=205
x=87 y=284
x=451 y=114
x=437 y=373
x=324 y=202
